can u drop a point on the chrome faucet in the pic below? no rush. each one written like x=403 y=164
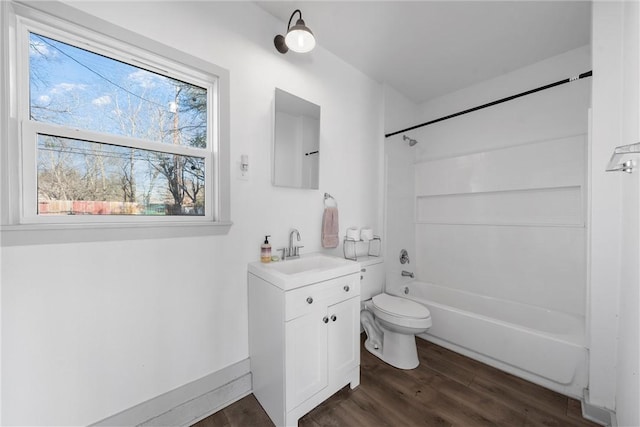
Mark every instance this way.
x=407 y=274
x=292 y=251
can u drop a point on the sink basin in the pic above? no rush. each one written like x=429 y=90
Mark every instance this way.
x=307 y=269
x=307 y=264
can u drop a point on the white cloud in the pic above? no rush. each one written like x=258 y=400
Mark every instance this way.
x=67 y=87
x=143 y=78
x=103 y=100
x=38 y=48
x=44 y=99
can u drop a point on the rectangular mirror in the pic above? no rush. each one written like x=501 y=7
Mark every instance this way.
x=296 y=142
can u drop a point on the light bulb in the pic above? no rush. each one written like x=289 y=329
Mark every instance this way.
x=299 y=40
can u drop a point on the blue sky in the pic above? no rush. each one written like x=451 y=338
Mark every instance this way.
x=101 y=94
x=74 y=87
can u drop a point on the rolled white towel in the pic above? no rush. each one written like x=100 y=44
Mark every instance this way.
x=353 y=233
x=366 y=233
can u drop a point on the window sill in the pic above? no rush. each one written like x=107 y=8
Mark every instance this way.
x=45 y=234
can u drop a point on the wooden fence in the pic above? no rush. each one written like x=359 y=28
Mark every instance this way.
x=88 y=207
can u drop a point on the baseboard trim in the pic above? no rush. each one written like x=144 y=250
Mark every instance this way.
x=189 y=403
x=597 y=414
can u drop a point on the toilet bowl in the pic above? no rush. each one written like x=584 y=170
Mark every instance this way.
x=391 y=324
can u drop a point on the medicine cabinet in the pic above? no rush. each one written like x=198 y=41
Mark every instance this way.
x=296 y=142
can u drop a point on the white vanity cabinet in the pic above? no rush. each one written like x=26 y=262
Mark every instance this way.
x=304 y=343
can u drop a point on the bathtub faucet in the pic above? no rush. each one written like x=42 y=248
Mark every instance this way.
x=407 y=274
x=404 y=256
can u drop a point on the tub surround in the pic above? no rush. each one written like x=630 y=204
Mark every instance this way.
x=513 y=216
x=501 y=191
x=493 y=204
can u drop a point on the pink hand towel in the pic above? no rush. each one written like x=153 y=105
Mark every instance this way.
x=330 y=228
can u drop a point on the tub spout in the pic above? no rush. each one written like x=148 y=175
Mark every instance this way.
x=407 y=274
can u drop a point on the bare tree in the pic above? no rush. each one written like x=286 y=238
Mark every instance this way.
x=136 y=102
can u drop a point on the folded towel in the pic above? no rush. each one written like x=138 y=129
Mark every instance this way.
x=330 y=228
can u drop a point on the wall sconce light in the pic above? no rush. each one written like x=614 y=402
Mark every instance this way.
x=299 y=38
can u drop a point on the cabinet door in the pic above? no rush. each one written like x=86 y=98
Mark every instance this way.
x=344 y=333
x=306 y=356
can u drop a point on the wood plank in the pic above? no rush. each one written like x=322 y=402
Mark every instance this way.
x=400 y=402
x=219 y=419
x=539 y=418
x=364 y=403
x=520 y=394
x=245 y=412
x=326 y=407
x=479 y=404
x=447 y=389
x=445 y=364
x=347 y=413
x=574 y=412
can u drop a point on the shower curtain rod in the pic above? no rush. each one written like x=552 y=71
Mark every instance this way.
x=499 y=101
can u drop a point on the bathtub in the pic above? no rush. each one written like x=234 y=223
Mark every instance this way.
x=542 y=346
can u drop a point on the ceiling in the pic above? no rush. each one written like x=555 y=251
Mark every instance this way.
x=425 y=49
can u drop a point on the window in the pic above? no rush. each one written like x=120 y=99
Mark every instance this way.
x=112 y=132
x=143 y=146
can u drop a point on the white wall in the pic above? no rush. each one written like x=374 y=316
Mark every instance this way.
x=500 y=193
x=614 y=380
x=400 y=113
x=628 y=363
x=604 y=220
x=91 y=329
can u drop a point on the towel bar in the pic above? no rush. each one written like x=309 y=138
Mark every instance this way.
x=628 y=166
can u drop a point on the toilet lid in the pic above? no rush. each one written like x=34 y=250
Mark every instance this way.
x=400 y=306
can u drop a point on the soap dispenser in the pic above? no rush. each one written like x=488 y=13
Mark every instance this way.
x=265 y=250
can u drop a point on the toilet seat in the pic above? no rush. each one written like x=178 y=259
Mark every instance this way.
x=401 y=311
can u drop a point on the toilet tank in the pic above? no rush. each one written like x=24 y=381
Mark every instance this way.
x=372 y=276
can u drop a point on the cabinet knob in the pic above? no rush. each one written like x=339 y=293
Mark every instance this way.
x=364 y=270
x=361 y=277
x=325 y=319
x=346 y=288
x=333 y=317
x=309 y=300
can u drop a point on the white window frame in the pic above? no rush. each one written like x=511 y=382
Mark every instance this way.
x=20 y=222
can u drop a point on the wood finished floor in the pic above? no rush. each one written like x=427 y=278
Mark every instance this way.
x=447 y=389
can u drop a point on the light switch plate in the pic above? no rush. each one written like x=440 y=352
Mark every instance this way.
x=240 y=174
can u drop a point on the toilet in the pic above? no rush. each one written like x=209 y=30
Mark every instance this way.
x=390 y=322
